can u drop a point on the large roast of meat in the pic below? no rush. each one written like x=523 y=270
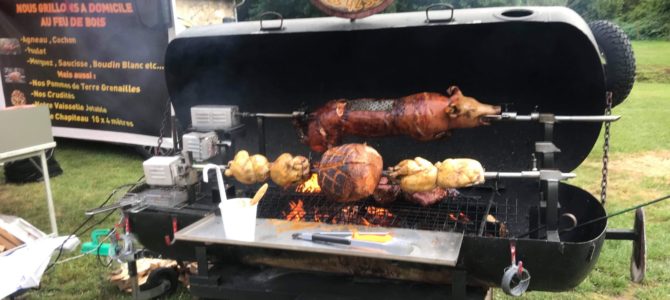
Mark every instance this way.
x=423 y=116
x=350 y=172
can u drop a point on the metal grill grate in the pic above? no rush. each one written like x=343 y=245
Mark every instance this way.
x=460 y=213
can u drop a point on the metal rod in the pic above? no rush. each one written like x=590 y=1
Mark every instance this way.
x=50 y=200
x=261 y=134
x=294 y=114
x=601 y=218
x=522 y=174
x=512 y=116
x=487 y=175
x=609 y=118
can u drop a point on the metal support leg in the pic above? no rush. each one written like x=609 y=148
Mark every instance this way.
x=50 y=203
x=203 y=264
x=458 y=285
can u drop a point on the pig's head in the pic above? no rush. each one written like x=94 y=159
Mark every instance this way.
x=466 y=112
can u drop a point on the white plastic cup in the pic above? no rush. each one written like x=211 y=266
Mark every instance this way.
x=239 y=219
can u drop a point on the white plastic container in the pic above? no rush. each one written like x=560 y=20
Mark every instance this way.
x=239 y=219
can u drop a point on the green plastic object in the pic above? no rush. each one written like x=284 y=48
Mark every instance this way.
x=96 y=236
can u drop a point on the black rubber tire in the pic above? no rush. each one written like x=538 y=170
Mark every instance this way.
x=615 y=46
x=160 y=275
x=638 y=258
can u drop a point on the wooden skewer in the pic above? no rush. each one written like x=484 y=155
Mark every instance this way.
x=259 y=194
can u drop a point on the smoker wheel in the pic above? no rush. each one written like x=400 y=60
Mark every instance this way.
x=160 y=275
x=620 y=66
x=638 y=259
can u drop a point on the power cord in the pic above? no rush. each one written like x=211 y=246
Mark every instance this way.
x=78 y=229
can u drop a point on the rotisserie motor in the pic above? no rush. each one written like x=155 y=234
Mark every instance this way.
x=350 y=172
x=423 y=116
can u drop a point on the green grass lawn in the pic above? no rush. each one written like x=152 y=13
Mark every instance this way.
x=640 y=170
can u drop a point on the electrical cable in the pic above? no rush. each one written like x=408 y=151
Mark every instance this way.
x=598 y=219
x=96 y=249
x=78 y=229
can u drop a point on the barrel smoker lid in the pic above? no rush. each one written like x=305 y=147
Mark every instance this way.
x=532 y=59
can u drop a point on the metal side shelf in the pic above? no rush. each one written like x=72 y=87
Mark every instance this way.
x=430 y=247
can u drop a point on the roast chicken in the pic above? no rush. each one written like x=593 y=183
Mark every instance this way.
x=419 y=175
x=285 y=171
x=288 y=170
x=248 y=169
x=423 y=116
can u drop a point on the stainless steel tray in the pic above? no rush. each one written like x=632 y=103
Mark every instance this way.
x=430 y=247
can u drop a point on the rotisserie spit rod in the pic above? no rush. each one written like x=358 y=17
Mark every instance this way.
x=487 y=175
x=530 y=174
x=355 y=171
x=295 y=114
x=541 y=117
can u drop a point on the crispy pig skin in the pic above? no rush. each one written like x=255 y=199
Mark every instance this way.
x=422 y=116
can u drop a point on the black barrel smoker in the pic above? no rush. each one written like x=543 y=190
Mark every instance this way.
x=541 y=63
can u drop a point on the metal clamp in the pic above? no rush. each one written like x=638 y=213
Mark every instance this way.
x=516 y=278
x=443 y=6
x=274 y=13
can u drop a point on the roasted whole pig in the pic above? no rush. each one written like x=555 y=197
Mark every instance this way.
x=350 y=172
x=423 y=116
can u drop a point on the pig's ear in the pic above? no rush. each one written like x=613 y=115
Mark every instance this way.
x=452 y=110
x=454 y=91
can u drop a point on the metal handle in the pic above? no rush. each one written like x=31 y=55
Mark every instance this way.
x=274 y=13
x=443 y=6
x=330 y=239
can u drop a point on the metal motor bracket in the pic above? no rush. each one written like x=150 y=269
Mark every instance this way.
x=638 y=259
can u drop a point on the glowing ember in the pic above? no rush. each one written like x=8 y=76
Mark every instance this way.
x=296 y=212
x=311 y=186
x=460 y=218
x=378 y=212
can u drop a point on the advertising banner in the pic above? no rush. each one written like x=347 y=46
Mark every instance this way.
x=97 y=65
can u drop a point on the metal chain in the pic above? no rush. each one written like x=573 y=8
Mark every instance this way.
x=606 y=150
x=162 y=129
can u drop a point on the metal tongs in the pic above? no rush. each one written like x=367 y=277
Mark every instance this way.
x=365 y=240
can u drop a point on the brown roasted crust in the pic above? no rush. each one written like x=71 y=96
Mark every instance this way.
x=422 y=116
x=386 y=191
x=350 y=172
x=289 y=170
x=248 y=169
